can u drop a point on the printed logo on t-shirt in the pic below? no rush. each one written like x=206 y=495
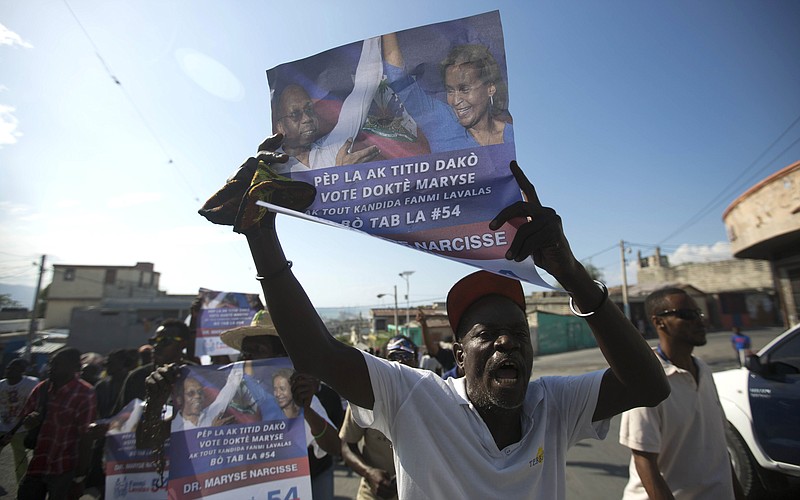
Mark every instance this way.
x=539 y=458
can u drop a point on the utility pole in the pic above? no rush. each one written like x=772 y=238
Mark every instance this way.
x=405 y=275
x=32 y=326
x=396 y=330
x=626 y=307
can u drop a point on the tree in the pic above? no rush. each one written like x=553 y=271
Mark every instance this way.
x=7 y=301
x=595 y=272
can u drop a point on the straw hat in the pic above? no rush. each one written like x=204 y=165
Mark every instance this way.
x=260 y=325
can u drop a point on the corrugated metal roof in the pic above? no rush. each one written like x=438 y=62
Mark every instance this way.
x=44 y=348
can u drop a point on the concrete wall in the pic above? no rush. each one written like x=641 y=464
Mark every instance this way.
x=86 y=286
x=59 y=311
x=76 y=283
x=713 y=277
x=787 y=280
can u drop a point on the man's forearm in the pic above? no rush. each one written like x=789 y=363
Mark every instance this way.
x=291 y=311
x=431 y=345
x=152 y=430
x=325 y=434
x=652 y=480
x=626 y=351
x=354 y=459
x=312 y=349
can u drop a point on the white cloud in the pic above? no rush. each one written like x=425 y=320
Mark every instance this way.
x=8 y=37
x=720 y=250
x=8 y=125
x=12 y=208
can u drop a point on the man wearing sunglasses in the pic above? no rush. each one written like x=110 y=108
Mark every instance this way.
x=169 y=342
x=678 y=447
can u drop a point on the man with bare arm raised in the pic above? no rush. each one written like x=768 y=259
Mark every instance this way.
x=492 y=433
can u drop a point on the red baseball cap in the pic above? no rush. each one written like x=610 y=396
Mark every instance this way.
x=476 y=286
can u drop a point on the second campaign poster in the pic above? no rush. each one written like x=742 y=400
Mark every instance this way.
x=219 y=312
x=236 y=435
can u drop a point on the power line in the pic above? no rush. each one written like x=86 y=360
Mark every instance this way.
x=22 y=273
x=612 y=247
x=733 y=185
x=132 y=103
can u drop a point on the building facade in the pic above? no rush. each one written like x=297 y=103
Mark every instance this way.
x=737 y=292
x=75 y=286
x=764 y=223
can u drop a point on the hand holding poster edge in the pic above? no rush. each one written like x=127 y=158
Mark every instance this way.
x=542 y=237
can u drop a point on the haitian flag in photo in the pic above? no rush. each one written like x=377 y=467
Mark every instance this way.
x=219 y=312
x=230 y=437
x=433 y=186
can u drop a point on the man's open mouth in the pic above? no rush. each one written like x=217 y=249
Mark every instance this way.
x=507 y=373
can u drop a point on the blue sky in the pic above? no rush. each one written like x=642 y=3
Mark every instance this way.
x=629 y=118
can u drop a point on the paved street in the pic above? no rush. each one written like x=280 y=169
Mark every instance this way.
x=595 y=469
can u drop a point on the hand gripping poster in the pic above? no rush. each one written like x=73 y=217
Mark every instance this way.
x=219 y=312
x=407 y=137
x=237 y=433
x=130 y=472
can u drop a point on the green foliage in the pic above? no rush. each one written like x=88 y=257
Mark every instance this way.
x=7 y=301
x=595 y=272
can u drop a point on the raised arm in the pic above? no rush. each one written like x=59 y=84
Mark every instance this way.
x=353 y=114
x=431 y=345
x=391 y=50
x=304 y=387
x=310 y=346
x=312 y=349
x=636 y=377
x=228 y=391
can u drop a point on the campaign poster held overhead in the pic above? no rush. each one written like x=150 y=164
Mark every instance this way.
x=219 y=312
x=236 y=435
x=408 y=137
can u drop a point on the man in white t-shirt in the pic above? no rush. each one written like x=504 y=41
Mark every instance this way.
x=491 y=433
x=678 y=447
x=14 y=391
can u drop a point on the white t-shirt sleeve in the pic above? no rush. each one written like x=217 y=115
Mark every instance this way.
x=576 y=398
x=391 y=385
x=640 y=429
